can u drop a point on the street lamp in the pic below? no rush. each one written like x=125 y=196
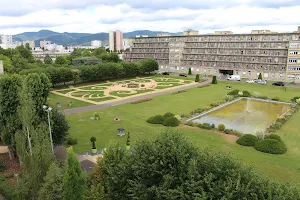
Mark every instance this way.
x=48 y=110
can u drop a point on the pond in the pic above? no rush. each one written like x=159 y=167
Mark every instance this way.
x=246 y=115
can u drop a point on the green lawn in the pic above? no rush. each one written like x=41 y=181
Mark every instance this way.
x=54 y=98
x=133 y=119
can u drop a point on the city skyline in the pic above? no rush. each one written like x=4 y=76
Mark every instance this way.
x=90 y=16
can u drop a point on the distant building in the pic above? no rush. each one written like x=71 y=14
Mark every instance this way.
x=31 y=43
x=6 y=39
x=163 y=34
x=96 y=43
x=115 y=41
x=127 y=43
x=223 y=32
x=1 y=68
x=43 y=43
x=190 y=32
x=141 y=36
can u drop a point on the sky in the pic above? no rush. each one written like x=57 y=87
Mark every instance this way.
x=94 y=16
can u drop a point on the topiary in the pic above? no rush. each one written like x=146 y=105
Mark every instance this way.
x=157 y=119
x=247 y=140
x=171 y=121
x=214 y=81
x=190 y=71
x=197 y=79
x=233 y=93
x=273 y=136
x=246 y=94
x=221 y=127
x=168 y=114
x=271 y=146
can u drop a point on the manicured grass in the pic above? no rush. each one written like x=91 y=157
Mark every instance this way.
x=54 y=98
x=88 y=93
x=65 y=91
x=133 y=118
x=128 y=93
x=93 y=88
x=167 y=85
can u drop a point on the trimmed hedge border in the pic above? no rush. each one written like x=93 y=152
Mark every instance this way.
x=247 y=140
x=271 y=146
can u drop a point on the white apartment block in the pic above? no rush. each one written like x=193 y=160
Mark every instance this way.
x=31 y=43
x=115 y=41
x=275 y=55
x=1 y=68
x=6 y=39
x=96 y=43
x=43 y=43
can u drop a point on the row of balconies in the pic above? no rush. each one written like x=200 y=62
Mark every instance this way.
x=152 y=50
x=233 y=53
x=238 y=45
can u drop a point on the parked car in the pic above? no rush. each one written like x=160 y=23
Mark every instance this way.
x=279 y=83
x=262 y=82
x=182 y=74
x=165 y=73
x=234 y=78
x=250 y=81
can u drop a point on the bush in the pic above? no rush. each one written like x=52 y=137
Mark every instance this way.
x=295 y=99
x=190 y=71
x=206 y=126
x=2 y=166
x=214 y=81
x=157 y=119
x=178 y=92
x=229 y=98
x=275 y=98
x=221 y=127
x=213 y=126
x=168 y=114
x=246 y=94
x=275 y=137
x=71 y=141
x=190 y=124
x=247 y=140
x=197 y=79
x=171 y=121
x=141 y=101
x=232 y=132
x=263 y=97
x=260 y=76
x=142 y=85
x=233 y=93
x=271 y=146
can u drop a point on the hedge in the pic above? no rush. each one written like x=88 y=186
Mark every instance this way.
x=233 y=93
x=206 y=126
x=157 y=119
x=168 y=114
x=247 y=140
x=271 y=146
x=246 y=94
x=171 y=121
x=214 y=81
x=273 y=136
x=221 y=127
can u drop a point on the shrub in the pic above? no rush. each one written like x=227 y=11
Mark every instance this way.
x=221 y=127
x=240 y=93
x=263 y=97
x=295 y=99
x=247 y=140
x=2 y=166
x=232 y=132
x=141 y=101
x=190 y=71
x=246 y=94
x=273 y=136
x=233 y=93
x=190 y=123
x=229 y=98
x=213 y=126
x=275 y=98
x=206 y=126
x=214 y=81
x=271 y=146
x=71 y=141
x=178 y=92
x=157 y=119
x=142 y=85
x=171 y=121
x=168 y=114
x=260 y=76
x=197 y=79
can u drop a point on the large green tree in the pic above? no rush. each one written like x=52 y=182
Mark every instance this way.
x=48 y=60
x=60 y=127
x=74 y=180
x=110 y=57
x=149 y=65
x=7 y=65
x=25 y=53
x=61 y=61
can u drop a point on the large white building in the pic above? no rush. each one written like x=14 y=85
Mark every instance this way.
x=31 y=43
x=43 y=43
x=6 y=39
x=96 y=43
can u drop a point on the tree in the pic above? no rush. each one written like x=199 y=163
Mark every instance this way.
x=61 y=61
x=149 y=65
x=93 y=140
x=128 y=139
x=110 y=57
x=48 y=60
x=197 y=79
x=98 y=52
x=214 y=81
x=7 y=65
x=60 y=127
x=52 y=188
x=260 y=76
x=74 y=181
x=25 y=53
x=190 y=71
x=19 y=63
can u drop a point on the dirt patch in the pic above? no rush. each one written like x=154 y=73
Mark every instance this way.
x=11 y=166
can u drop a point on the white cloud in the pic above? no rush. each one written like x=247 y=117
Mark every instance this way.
x=236 y=15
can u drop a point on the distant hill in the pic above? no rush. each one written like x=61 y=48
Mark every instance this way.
x=68 y=39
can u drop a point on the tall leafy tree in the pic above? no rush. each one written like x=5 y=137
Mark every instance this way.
x=25 y=53
x=7 y=65
x=60 y=127
x=74 y=180
x=61 y=61
x=149 y=65
x=48 y=60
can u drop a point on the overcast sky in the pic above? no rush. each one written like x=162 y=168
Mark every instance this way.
x=94 y=16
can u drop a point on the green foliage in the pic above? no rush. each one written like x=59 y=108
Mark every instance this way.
x=132 y=69
x=157 y=119
x=61 y=61
x=233 y=93
x=221 y=127
x=247 y=140
x=260 y=76
x=52 y=187
x=93 y=140
x=246 y=94
x=197 y=79
x=73 y=181
x=229 y=97
x=86 y=61
x=168 y=114
x=295 y=99
x=128 y=139
x=110 y=57
x=2 y=166
x=60 y=127
x=206 y=126
x=171 y=121
x=148 y=65
x=7 y=65
x=190 y=71
x=232 y=132
x=71 y=140
x=48 y=60
x=276 y=99
x=273 y=136
x=214 y=81
x=271 y=146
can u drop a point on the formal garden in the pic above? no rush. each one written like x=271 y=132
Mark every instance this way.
x=146 y=119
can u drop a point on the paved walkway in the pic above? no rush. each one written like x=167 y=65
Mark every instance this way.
x=134 y=98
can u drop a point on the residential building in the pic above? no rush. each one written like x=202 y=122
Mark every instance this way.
x=6 y=39
x=96 y=43
x=43 y=43
x=31 y=43
x=115 y=40
x=223 y=32
x=163 y=35
x=190 y=32
x=1 y=68
x=138 y=36
x=275 y=55
x=127 y=43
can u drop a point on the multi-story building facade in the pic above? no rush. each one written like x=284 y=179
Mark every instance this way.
x=275 y=55
x=30 y=43
x=115 y=41
x=43 y=43
x=96 y=43
x=6 y=39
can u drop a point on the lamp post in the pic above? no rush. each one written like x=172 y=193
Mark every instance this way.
x=48 y=110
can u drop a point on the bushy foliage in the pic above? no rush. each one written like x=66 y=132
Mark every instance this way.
x=190 y=71
x=157 y=119
x=71 y=141
x=221 y=127
x=247 y=140
x=260 y=76
x=141 y=101
x=206 y=126
x=214 y=81
x=229 y=97
x=148 y=65
x=271 y=146
x=273 y=136
x=246 y=94
x=60 y=127
x=276 y=99
x=295 y=99
x=171 y=121
x=2 y=166
x=232 y=132
x=197 y=79
x=233 y=93
x=168 y=114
